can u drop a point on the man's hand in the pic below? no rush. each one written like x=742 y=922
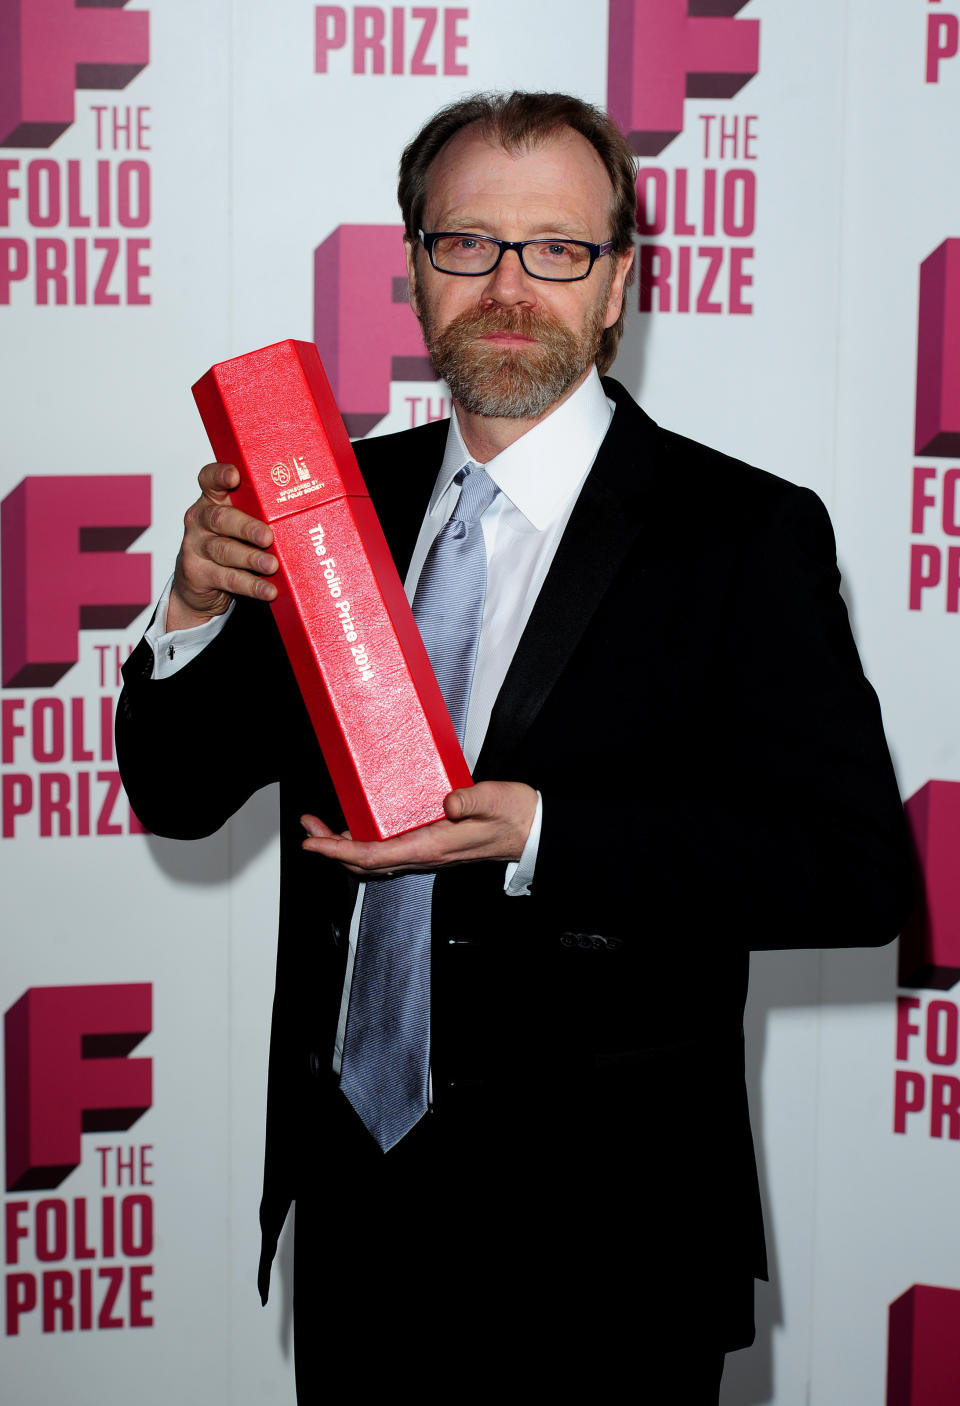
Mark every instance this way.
x=223 y=554
x=488 y=821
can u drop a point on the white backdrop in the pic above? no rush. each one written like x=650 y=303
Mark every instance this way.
x=257 y=133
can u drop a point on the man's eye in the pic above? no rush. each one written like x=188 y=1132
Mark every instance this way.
x=557 y=249
x=461 y=248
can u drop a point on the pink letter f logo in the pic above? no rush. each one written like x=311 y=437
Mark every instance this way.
x=662 y=51
x=50 y=47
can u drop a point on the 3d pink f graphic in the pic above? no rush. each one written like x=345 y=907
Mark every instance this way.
x=923 y=1347
x=930 y=943
x=363 y=325
x=49 y=48
x=65 y=567
x=67 y=1073
x=663 y=51
x=938 y=353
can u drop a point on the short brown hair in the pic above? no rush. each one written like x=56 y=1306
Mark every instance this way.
x=517 y=120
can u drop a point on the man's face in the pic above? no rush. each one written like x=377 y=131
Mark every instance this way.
x=508 y=344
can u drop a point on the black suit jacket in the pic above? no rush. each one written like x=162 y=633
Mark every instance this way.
x=688 y=699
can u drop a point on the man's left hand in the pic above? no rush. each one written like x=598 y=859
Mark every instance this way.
x=488 y=821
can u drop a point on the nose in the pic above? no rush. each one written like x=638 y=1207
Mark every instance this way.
x=509 y=284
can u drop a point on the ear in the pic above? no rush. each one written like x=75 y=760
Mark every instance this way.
x=623 y=265
x=410 y=247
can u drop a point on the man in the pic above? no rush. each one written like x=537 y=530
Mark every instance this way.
x=675 y=761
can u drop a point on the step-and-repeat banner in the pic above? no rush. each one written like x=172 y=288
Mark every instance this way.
x=181 y=183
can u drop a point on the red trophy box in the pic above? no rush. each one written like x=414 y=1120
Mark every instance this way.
x=361 y=665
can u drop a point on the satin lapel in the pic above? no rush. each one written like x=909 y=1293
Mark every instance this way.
x=608 y=521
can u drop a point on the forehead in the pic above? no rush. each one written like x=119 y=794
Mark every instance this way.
x=559 y=185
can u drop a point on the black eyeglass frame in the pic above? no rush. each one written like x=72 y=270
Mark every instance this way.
x=596 y=251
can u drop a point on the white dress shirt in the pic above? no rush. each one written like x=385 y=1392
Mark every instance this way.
x=540 y=477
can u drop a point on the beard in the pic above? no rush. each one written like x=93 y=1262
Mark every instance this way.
x=512 y=383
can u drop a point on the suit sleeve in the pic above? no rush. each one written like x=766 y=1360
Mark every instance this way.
x=194 y=747
x=764 y=807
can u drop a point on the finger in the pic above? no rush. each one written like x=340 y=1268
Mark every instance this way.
x=316 y=828
x=218 y=479
x=221 y=519
x=233 y=581
x=358 y=857
x=230 y=554
x=333 y=847
x=414 y=850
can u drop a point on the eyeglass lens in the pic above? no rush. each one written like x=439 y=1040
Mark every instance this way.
x=544 y=258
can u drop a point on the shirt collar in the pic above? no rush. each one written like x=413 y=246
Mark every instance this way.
x=542 y=469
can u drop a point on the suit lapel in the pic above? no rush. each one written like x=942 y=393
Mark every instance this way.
x=607 y=523
x=400 y=471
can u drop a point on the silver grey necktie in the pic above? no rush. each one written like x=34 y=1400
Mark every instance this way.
x=386 y=1052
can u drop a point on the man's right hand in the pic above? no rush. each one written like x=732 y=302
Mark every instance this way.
x=223 y=554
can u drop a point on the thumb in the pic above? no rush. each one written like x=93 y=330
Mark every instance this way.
x=460 y=804
x=217 y=481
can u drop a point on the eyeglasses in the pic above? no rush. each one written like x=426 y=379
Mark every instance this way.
x=472 y=255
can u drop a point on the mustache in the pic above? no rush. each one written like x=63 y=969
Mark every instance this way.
x=516 y=321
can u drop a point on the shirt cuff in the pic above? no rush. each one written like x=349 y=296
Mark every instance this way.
x=519 y=875
x=174 y=648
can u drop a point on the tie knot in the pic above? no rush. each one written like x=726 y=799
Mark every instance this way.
x=477 y=492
